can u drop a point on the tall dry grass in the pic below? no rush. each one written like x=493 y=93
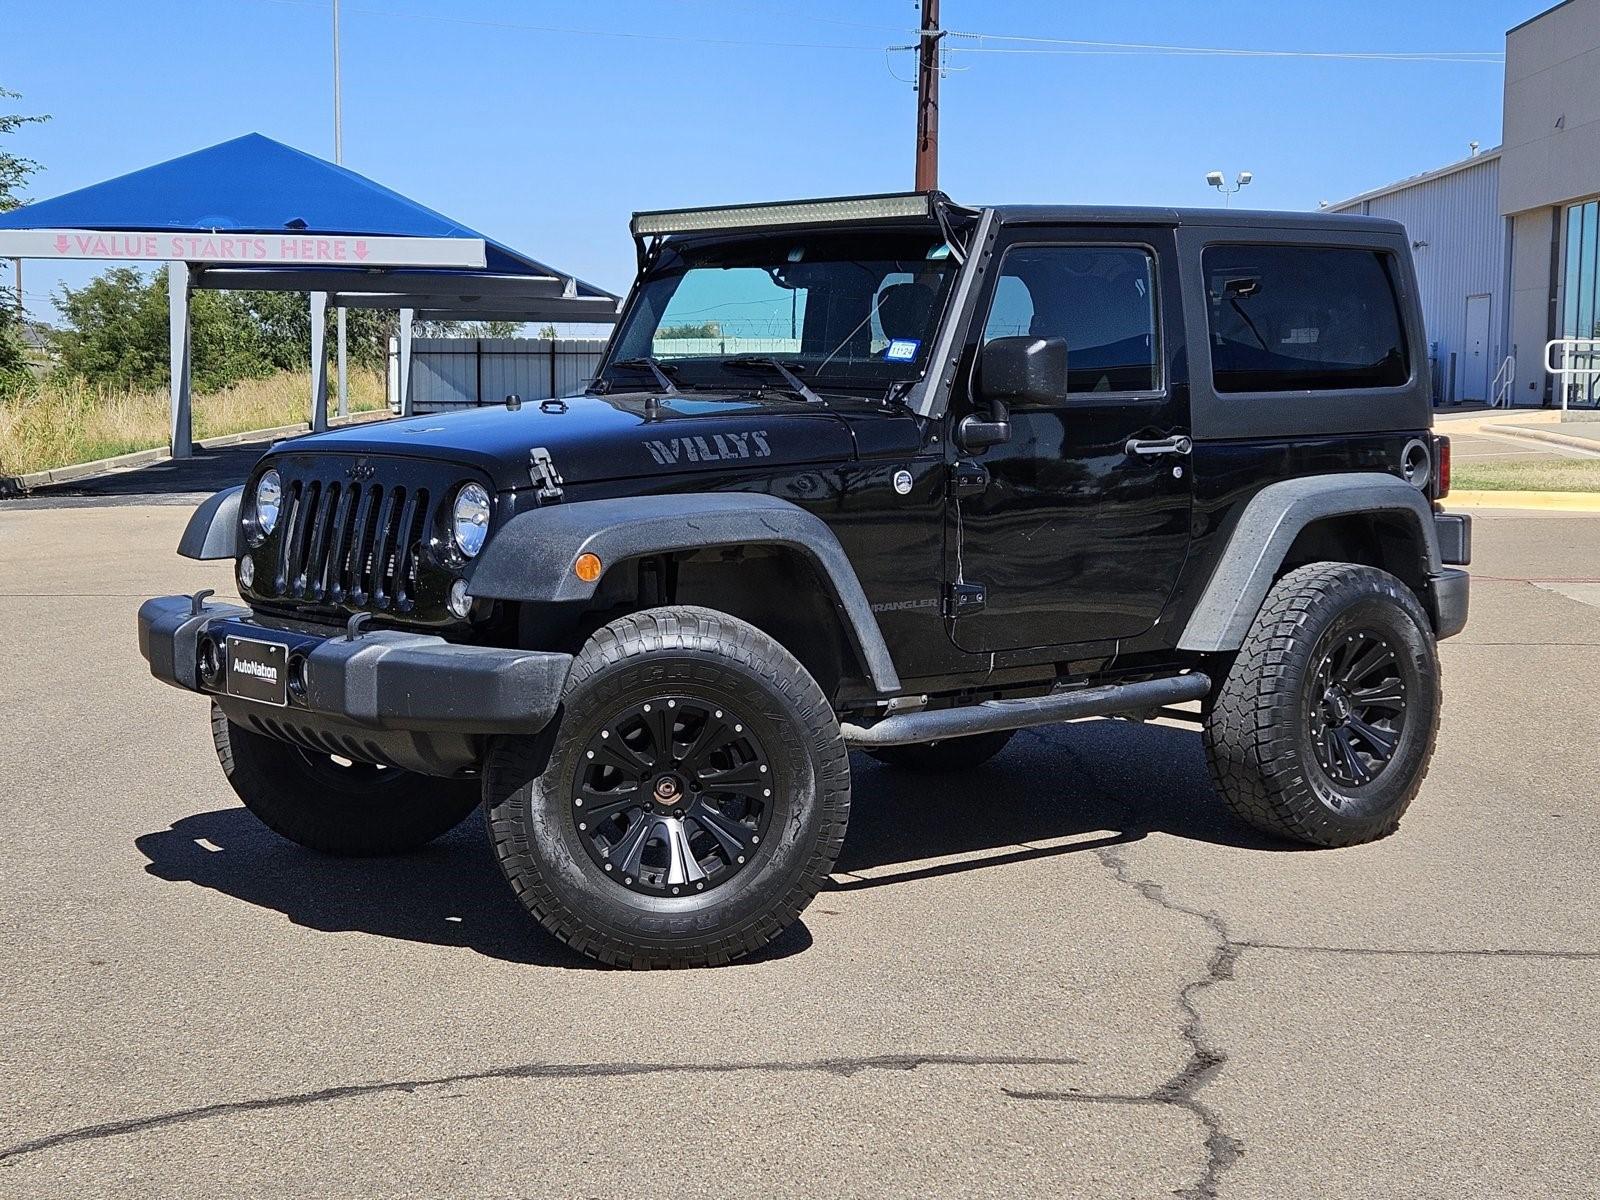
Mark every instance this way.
x=55 y=422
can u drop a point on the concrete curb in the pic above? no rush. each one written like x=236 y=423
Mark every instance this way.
x=1579 y=502
x=20 y=485
x=1540 y=434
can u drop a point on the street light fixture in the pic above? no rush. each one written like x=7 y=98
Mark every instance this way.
x=1218 y=181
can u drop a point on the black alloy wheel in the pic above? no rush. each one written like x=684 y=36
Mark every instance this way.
x=673 y=795
x=1322 y=725
x=687 y=803
x=1357 y=703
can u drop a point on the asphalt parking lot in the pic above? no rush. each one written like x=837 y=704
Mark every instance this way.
x=1067 y=974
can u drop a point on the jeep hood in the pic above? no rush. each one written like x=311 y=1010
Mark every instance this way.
x=593 y=438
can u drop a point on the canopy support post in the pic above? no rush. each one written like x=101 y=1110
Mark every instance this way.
x=319 y=361
x=180 y=432
x=406 y=315
x=344 y=366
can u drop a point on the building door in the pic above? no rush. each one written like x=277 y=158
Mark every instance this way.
x=1473 y=369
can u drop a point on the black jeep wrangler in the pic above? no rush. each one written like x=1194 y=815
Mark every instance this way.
x=883 y=473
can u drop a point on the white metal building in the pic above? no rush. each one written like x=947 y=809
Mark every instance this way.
x=1507 y=242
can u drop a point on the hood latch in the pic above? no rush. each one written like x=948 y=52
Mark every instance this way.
x=542 y=469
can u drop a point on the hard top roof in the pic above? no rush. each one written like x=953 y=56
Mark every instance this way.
x=1229 y=218
x=924 y=207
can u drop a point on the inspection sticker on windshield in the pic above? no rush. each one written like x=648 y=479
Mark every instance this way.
x=902 y=350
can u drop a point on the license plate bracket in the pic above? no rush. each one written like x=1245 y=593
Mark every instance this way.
x=258 y=670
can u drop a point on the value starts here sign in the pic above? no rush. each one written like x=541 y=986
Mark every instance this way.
x=277 y=249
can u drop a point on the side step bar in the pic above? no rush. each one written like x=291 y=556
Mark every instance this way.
x=991 y=716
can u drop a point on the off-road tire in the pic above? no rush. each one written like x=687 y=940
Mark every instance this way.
x=949 y=755
x=1258 y=737
x=357 y=810
x=530 y=782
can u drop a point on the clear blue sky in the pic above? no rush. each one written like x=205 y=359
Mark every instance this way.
x=548 y=137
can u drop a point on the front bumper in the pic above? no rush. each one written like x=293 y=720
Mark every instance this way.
x=408 y=700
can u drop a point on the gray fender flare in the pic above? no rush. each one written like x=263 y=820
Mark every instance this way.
x=213 y=530
x=530 y=558
x=1268 y=527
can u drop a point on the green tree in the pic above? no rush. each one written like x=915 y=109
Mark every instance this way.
x=468 y=329
x=284 y=322
x=707 y=329
x=118 y=334
x=15 y=171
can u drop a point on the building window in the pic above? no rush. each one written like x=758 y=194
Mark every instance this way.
x=1303 y=318
x=1580 y=294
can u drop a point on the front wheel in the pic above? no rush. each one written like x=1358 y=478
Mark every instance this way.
x=336 y=805
x=691 y=803
x=1324 y=724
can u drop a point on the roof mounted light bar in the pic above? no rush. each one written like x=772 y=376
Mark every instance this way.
x=891 y=206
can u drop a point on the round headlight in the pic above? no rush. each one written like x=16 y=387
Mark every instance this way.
x=469 y=521
x=269 y=499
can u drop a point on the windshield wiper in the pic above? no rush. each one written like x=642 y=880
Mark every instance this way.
x=796 y=384
x=647 y=363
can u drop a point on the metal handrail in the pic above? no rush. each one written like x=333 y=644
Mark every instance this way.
x=1500 y=388
x=1570 y=348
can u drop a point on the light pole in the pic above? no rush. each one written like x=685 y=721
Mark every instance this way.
x=338 y=157
x=1216 y=180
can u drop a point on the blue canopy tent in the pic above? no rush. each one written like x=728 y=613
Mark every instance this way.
x=255 y=213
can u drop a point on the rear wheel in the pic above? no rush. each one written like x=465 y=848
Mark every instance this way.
x=952 y=754
x=691 y=803
x=333 y=804
x=1324 y=725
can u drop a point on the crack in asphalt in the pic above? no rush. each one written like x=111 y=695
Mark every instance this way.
x=1398 y=952
x=1205 y=1058
x=843 y=1067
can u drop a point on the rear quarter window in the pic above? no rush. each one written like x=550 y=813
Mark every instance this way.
x=1304 y=318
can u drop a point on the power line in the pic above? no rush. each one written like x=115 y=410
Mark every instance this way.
x=1029 y=44
x=1053 y=45
x=626 y=34
x=789 y=13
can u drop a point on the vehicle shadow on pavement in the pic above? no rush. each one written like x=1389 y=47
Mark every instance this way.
x=449 y=893
x=1117 y=780
x=1120 y=780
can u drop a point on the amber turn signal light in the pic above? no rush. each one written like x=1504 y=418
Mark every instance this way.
x=587 y=568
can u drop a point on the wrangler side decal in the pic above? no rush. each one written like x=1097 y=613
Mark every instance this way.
x=719 y=447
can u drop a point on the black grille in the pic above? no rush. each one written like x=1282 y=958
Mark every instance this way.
x=358 y=533
x=347 y=541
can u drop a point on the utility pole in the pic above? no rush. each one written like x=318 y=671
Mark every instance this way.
x=928 y=40
x=338 y=157
x=338 y=98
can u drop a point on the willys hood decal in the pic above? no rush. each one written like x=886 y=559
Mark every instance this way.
x=593 y=438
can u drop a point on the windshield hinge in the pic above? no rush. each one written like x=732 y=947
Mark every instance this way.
x=542 y=469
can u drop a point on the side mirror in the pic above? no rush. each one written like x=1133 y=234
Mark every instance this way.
x=1023 y=370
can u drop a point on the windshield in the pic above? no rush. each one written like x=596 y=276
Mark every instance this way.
x=841 y=311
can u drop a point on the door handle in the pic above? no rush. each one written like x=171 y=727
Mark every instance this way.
x=1150 y=447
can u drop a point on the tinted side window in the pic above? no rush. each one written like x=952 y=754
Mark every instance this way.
x=1101 y=299
x=1296 y=318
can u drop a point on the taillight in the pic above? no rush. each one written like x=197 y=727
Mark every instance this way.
x=1441 y=470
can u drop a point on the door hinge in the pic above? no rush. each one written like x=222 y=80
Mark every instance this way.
x=963 y=599
x=542 y=469
x=967 y=479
